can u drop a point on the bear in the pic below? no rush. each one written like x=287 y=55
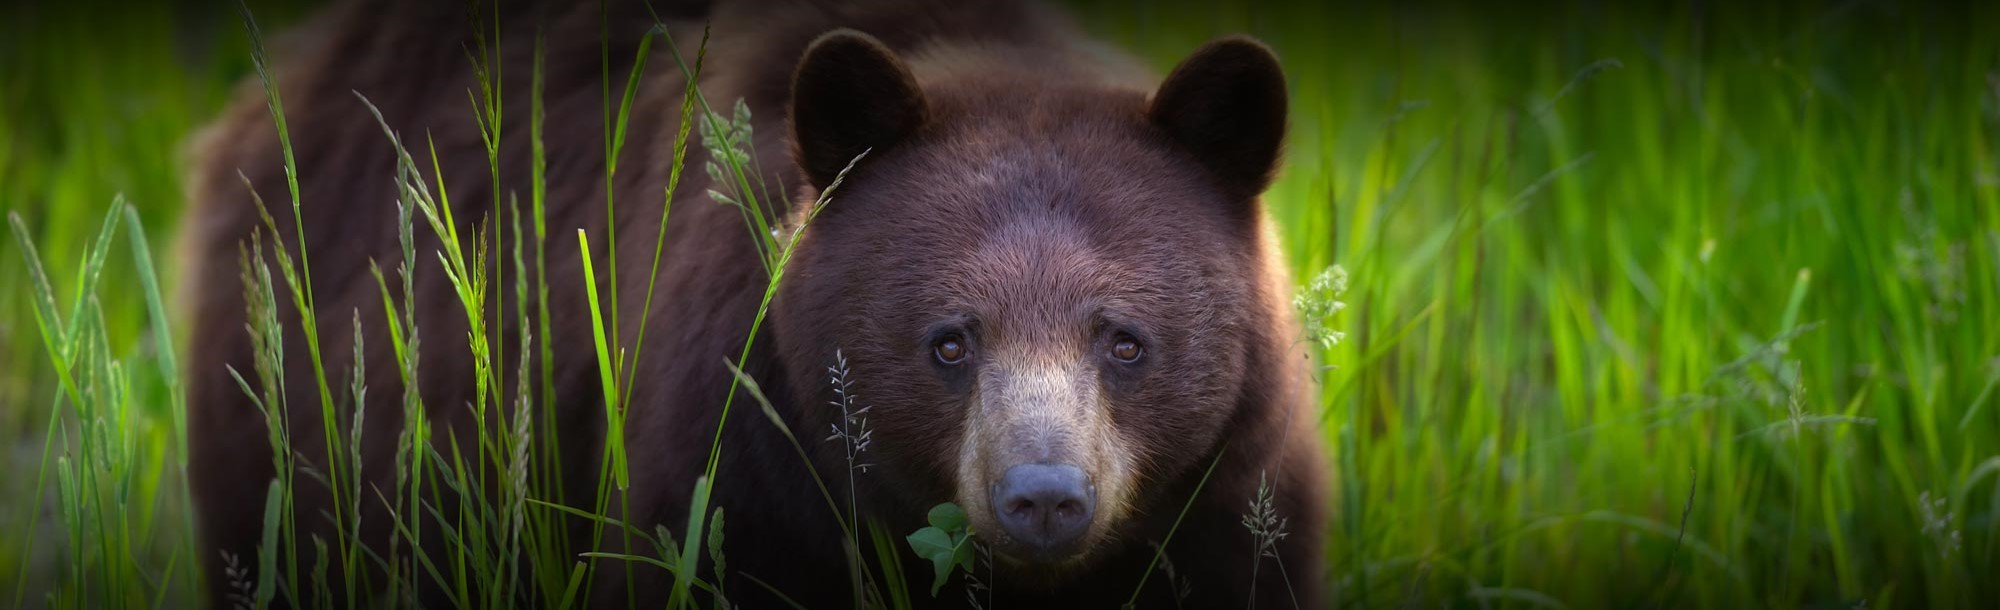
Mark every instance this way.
x=1045 y=274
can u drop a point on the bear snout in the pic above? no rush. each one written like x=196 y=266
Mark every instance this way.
x=1045 y=509
x=1043 y=470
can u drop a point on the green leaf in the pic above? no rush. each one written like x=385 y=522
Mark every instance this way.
x=690 y=561
x=614 y=414
x=670 y=548
x=930 y=542
x=947 y=542
x=575 y=584
x=934 y=544
x=948 y=517
x=267 y=552
x=961 y=551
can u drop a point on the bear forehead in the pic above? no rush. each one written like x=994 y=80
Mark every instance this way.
x=1075 y=136
x=1111 y=180
x=1039 y=209
x=1042 y=277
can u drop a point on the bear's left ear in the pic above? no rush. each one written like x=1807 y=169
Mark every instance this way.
x=1226 y=105
x=850 y=94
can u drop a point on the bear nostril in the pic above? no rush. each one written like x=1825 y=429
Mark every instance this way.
x=1020 y=507
x=1045 y=507
x=1069 y=508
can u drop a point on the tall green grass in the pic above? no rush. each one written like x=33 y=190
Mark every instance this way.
x=1686 y=307
x=1681 y=307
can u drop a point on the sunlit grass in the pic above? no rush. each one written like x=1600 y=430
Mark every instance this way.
x=1603 y=260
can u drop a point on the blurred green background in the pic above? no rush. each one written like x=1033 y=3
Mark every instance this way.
x=1691 y=305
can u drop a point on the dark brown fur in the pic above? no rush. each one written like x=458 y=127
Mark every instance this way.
x=1034 y=183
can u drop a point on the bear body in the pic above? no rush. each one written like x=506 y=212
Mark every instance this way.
x=1045 y=277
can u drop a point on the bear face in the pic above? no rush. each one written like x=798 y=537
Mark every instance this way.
x=1047 y=292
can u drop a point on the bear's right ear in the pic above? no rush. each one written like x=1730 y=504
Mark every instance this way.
x=850 y=94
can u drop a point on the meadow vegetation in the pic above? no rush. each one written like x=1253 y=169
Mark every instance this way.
x=1681 y=307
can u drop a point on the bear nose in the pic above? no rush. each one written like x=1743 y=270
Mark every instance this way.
x=1046 y=507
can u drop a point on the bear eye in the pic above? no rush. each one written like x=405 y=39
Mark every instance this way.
x=950 y=350
x=1126 y=349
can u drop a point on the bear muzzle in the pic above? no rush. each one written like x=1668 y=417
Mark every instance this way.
x=1043 y=472
x=1045 y=509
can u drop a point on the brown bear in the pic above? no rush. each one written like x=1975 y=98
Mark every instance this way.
x=1051 y=282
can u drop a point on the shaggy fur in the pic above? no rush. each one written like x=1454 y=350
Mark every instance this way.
x=1024 y=189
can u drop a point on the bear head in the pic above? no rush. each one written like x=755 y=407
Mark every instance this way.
x=1047 y=291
